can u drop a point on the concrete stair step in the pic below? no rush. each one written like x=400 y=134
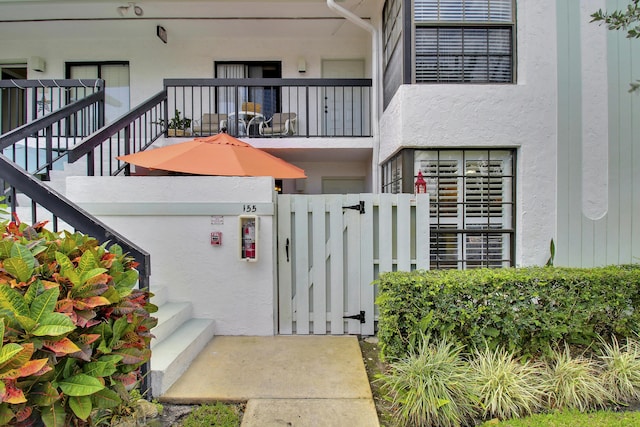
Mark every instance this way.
x=170 y=315
x=172 y=356
x=160 y=295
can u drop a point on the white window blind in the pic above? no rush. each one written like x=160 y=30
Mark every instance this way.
x=464 y=10
x=227 y=97
x=464 y=41
x=471 y=206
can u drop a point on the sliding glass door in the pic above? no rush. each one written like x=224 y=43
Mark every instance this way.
x=116 y=78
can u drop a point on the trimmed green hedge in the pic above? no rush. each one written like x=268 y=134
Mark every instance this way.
x=521 y=309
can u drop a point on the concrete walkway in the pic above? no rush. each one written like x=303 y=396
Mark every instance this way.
x=297 y=381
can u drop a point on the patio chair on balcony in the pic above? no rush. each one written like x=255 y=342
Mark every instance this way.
x=281 y=124
x=210 y=123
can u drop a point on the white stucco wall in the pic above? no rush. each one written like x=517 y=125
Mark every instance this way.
x=521 y=116
x=172 y=218
x=190 y=53
x=334 y=170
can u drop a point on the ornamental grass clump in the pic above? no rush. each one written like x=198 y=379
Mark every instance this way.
x=507 y=388
x=574 y=382
x=621 y=369
x=432 y=386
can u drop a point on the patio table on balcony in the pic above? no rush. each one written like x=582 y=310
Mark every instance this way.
x=246 y=123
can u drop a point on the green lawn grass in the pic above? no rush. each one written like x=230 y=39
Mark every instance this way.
x=573 y=419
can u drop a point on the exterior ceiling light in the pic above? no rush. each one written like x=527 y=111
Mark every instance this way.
x=124 y=10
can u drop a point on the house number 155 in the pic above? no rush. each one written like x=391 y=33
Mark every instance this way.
x=249 y=208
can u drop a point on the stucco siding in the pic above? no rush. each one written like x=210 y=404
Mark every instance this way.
x=520 y=115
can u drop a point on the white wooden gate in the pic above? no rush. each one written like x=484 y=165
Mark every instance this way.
x=332 y=247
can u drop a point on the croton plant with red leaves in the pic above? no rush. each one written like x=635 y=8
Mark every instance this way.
x=75 y=329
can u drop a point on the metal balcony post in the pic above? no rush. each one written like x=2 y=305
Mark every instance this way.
x=49 y=150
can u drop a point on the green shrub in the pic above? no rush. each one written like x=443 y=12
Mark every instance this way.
x=523 y=309
x=432 y=386
x=575 y=382
x=507 y=388
x=75 y=332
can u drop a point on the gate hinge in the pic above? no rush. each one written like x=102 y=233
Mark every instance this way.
x=359 y=317
x=359 y=207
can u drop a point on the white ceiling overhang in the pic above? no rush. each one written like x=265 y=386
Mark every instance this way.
x=184 y=19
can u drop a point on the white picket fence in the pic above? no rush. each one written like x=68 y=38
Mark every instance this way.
x=332 y=247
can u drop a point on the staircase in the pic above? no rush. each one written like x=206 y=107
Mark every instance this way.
x=179 y=338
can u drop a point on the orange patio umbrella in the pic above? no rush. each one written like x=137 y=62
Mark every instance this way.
x=220 y=154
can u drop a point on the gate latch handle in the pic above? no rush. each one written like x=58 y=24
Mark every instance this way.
x=359 y=317
x=286 y=248
x=359 y=207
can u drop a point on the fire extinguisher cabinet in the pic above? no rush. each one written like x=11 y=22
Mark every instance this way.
x=248 y=238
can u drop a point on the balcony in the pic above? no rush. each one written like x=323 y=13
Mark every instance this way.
x=260 y=108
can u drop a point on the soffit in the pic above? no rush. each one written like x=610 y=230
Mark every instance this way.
x=206 y=18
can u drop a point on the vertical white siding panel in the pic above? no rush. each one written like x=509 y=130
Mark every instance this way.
x=367 y=291
x=600 y=241
x=285 y=308
x=301 y=249
x=595 y=120
x=635 y=143
x=353 y=262
x=625 y=157
x=618 y=82
x=385 y=232
x=588 y=230
x=336 y=232
x=319 y=267
x=575 y=142
x=422 y=232
x=403 y=232
x=564 y=149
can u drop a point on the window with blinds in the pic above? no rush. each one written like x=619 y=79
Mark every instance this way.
x=472 y=206
x=464 y=41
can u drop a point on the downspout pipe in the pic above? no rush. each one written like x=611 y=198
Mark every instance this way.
x=352 y=17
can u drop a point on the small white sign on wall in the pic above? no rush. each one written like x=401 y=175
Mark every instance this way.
x=217 y=220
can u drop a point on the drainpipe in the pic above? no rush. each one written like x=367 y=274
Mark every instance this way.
x=350 y=16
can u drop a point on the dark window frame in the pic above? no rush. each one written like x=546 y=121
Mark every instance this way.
x=461 y=77
x=275 y=68
x=484 y=235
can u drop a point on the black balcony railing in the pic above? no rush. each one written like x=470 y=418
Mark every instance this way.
x=33 y=143
x=24 y=101
x=28 y=153
x=132 y=132
x=262 y=107
x=41 y=143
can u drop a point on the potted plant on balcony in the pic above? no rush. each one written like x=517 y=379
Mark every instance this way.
x=178 y=126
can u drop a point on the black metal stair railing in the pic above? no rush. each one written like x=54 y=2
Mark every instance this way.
x=134 y=131
x=17 y=180
x=29 y=151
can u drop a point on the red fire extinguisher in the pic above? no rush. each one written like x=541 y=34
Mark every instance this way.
x=249 y=240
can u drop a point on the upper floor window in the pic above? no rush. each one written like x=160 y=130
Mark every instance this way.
x=464 y=41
